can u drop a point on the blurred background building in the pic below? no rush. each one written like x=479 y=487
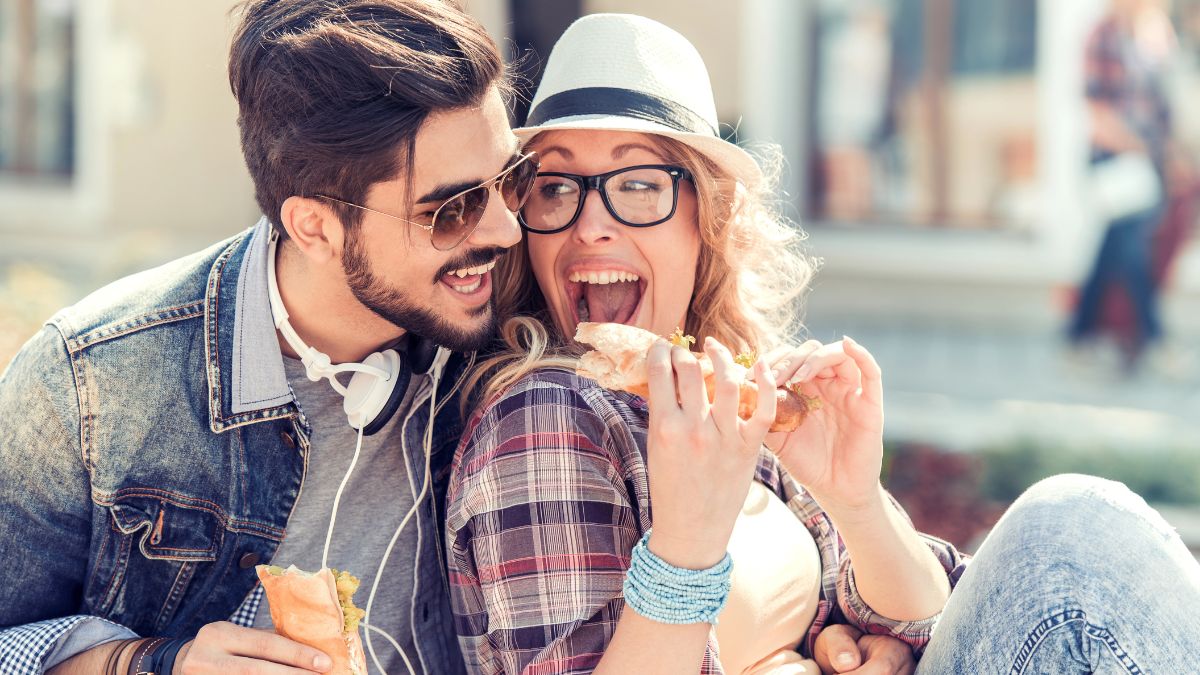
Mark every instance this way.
x=936 y=153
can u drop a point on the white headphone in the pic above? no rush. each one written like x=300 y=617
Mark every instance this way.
x=378 y=384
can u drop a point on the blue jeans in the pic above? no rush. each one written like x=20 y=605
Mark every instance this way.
x=1125 y=258
x=1080 y=576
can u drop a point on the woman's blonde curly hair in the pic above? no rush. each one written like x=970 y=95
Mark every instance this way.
x=750 y=278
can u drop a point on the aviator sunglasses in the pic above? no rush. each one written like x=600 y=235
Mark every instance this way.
x=459 y=215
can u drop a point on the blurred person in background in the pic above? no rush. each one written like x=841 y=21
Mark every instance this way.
x=1132 y=155
x=170 y=432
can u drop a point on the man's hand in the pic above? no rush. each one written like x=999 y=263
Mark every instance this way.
x=223 y=648
x=228 y=648
x=844 y=649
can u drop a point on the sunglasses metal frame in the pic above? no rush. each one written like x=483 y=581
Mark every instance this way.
x=598 y=183
x=486 y=185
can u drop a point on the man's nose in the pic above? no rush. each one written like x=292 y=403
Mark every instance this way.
x=497 y=226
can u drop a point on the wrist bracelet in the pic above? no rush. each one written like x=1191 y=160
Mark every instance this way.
x=664 y=593
x=139 y=656
x=113 y=662
x=162 y=659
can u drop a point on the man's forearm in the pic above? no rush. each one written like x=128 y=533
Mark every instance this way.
x=93 y=661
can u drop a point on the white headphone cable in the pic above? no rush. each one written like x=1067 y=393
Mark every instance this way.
x=337 y=499
x=325 y=563
x=391 y=544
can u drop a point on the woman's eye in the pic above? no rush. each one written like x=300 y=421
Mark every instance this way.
x=640 y=186
x=557 y=190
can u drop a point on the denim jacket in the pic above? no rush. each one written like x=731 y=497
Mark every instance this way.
x=151 y=452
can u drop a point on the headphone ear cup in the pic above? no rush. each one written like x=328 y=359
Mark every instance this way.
x=421 y=352
x=399 y=387
x=368 y=394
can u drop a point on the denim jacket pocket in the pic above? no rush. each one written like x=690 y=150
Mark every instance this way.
x=156 y=546
x=171 y=531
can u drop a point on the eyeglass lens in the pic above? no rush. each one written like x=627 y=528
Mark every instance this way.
x=636 y=196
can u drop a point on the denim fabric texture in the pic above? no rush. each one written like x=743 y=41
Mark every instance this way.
x=135 y=486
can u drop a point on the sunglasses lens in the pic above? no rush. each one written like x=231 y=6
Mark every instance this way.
x=517 y=185
x=457 y=218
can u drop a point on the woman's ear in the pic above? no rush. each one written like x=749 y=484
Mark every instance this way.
x=313 y=227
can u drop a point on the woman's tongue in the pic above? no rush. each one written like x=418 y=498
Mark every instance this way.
x=607 y=303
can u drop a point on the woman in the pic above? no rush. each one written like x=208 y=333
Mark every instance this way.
x=554 y=565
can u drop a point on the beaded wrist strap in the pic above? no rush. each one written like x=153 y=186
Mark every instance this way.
x=664 y=593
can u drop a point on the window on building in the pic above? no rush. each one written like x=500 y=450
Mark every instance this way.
x=925 y=113
x=37 y=78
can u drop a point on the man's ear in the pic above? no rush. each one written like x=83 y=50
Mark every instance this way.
x=313 y=227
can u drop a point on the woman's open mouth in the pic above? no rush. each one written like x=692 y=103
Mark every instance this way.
x=604 y=296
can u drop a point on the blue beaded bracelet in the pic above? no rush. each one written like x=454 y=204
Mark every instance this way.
x=664 y=593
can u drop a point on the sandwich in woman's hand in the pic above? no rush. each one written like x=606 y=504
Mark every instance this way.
x=316 y=609
x=618 y=361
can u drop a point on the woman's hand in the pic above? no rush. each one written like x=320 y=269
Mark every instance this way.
x=701 y=456
x=837 y=453
x=844 y=649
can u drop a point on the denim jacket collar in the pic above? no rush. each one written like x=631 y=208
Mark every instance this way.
x=246 y=380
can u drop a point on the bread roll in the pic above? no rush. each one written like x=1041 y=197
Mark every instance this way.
x=618 y=361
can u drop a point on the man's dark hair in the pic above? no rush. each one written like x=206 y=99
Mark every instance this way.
x=331 y=93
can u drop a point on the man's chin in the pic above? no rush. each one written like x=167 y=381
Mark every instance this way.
x=471 y=335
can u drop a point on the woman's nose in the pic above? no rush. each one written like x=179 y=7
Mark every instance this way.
x=595 y=224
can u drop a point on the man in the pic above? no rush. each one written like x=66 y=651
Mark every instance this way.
x=160 y=438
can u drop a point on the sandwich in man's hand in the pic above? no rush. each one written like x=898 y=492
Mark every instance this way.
x=317 y=609
x=618 y=361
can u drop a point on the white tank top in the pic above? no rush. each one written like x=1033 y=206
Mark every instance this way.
x=775 y=588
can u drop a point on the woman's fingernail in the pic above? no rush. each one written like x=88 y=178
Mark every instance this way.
x=802 y=374
x=849 y=340
x=322 y=662
x=845 y=659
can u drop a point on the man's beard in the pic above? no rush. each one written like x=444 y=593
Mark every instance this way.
x=397 y=308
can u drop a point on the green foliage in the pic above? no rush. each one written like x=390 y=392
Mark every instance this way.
x=1168 y=476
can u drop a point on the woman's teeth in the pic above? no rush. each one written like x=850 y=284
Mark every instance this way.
x=472 y=271
x=611 y=277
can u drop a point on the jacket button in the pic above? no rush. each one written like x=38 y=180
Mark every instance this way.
x=287 y=440
x=249 y=560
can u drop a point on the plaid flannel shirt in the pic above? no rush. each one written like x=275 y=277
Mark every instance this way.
x=1118 y=73
x=548 y=495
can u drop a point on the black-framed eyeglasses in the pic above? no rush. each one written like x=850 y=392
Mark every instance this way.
x=637 y=196
x=459 y=215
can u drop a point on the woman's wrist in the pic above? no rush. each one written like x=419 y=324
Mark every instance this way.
x=849 y=514
x=686 y=552
x=665 y=593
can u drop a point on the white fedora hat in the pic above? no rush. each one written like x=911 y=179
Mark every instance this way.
x=622 y=72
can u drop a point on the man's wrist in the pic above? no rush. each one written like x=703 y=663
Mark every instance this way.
x=179 y=659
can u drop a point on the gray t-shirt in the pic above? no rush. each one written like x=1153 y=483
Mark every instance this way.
x=376 y=498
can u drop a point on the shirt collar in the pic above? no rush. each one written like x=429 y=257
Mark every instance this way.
x=259 y=380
